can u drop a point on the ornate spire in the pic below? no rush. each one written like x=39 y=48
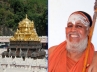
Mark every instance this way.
x=25 y=31
x=26 y=16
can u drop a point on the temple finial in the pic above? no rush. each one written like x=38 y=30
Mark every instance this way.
x=26 y=16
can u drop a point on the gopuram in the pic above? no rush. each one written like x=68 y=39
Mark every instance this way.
x=25 y=42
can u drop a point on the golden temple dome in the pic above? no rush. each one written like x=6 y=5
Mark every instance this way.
x=25 y=32
x=26 y=23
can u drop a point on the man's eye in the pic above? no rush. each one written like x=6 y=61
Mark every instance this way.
x=79 y=26
x=69 y=26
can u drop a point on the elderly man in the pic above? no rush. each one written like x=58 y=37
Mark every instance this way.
x=69 y=55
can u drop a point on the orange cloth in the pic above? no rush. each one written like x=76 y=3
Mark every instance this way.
x=59 y=62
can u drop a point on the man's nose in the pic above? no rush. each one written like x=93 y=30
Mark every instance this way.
x=73 y=28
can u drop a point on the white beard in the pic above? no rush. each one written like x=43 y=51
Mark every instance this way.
x=78 y=46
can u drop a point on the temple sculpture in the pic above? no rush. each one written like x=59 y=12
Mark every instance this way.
x=25 y=41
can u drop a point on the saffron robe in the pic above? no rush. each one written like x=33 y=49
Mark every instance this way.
x=59 y=62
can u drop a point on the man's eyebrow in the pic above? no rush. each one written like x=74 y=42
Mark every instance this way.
x=69 y=23
x=79 y=23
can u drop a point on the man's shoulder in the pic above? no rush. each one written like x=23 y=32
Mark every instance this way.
x=95 y=53
x=51 y=49
x=93 y=66
x=95 y=56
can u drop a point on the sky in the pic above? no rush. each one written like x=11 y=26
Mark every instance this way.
x=58 y=13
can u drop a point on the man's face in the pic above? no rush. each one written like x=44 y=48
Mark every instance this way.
x=76 y=31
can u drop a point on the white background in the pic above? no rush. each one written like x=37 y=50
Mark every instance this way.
x=58 y=13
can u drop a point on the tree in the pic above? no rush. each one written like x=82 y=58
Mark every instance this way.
x=13 y=11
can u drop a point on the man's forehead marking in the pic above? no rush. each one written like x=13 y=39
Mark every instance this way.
x=75 y=17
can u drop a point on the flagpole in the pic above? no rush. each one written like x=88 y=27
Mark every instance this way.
x=90 y=36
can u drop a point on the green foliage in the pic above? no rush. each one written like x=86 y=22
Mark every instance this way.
x=13 y=11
